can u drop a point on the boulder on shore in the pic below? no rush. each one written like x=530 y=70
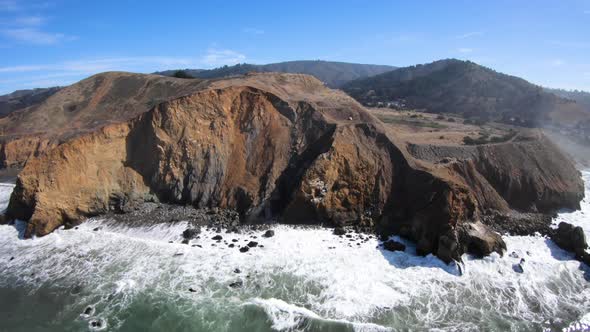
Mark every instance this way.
x=191 y=233
x=570 y=238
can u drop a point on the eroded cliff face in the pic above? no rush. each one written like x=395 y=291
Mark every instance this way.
x=529 y=175
x=271 y=146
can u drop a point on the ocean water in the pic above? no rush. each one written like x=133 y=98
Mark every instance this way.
x=132 y=279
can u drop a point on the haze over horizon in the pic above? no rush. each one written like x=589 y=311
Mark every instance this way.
x=60 y=42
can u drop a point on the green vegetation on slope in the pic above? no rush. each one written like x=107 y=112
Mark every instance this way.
x=461 y=87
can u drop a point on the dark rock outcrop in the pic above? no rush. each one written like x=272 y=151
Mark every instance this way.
x=191 y=233
x=392 y=245
x=269 y=233
x=570 y=238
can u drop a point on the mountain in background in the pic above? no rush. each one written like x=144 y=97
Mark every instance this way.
x=580 y=97
x=24 y=98
x=334 y=74
x=468 y=89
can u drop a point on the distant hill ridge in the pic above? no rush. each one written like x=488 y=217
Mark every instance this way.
x=20 y=99
x=580 y=97
x=466 y=88
x=334 y=74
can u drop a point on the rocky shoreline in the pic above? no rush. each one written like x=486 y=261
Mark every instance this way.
x=225 y=222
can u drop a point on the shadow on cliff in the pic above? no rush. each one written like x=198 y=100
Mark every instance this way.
x=409 y=258
x=564 y=255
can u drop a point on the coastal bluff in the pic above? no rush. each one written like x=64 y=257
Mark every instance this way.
x=280 y=147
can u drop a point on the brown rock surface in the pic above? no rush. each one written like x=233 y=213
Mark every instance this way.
x=82 y=107
x=278 y=146
x=531 y=175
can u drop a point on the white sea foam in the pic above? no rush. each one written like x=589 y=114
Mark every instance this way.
x=295 y=277
x=579 y=217
x=286 y=316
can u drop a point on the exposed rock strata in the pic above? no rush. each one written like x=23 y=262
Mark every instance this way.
x=281 y=147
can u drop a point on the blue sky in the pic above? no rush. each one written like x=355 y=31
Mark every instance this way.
x=58 y=42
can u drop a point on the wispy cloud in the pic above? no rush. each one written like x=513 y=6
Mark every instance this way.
x=470 y=35
x=67 y=72
x=213 y=57
x=557 y=62
x=253 y=31
x=29 y=29
x=102 y=64
x=9 y=6
x=216 y=57
x=33 y=20
x=569 y=44
x=16 y=6
x=36 y=36
x=465 y=50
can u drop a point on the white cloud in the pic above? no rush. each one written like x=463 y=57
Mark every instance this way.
x=36 y=36
x=557 y=63
x=215 y=57
x=569 y=44
x=465 y=50
x=90 y=66
x=469 y=35
x=138 y=63
x=9 y=6
x=26 y=28
x=30 y=20
x=21 y=69
x=67 y=72
x=17 y=6
x=253 y=31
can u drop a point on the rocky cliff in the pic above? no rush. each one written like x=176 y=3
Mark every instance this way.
x=80 y=108
x=282 y=147
x=530 y=174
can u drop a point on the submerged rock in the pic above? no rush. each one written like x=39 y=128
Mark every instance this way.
x=191 y=233
x=339 y=231
x=392 y=245
x=236 y=284
x=269 y=233
x=97 y=324
x=519 y=268
x=89 y=311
